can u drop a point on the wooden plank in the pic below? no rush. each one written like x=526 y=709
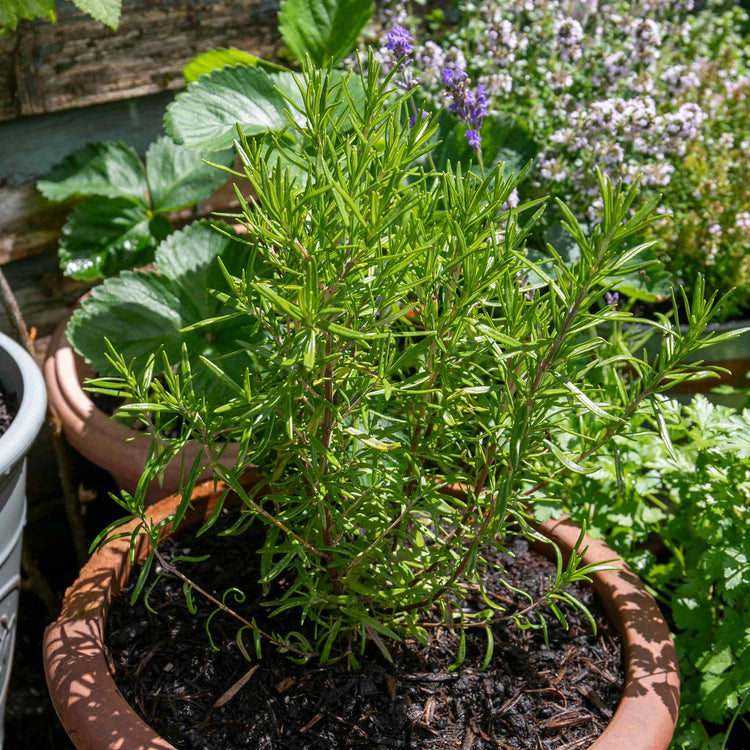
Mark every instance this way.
x=79 y=62
x=29 y=224
x=30 y=146
x=43 y=295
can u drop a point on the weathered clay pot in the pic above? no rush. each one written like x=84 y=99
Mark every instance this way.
x=106 y=442
x=96 y=716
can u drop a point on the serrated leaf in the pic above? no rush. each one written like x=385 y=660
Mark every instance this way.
x=179 y=178
x=690 y=613
x=13 y=11
x=206 y=115
x=716 y=663
x=326 y=30
x=109 y=169
x=103 y=237
x=216 y=59
x=106 y=11
x=142 y=312
x=653 y=285
x=718 y=694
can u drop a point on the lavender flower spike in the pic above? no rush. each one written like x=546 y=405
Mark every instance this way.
x=470 y=106
x=423 y=114
x=452 y=77
x=399 y=41
x=474 y=139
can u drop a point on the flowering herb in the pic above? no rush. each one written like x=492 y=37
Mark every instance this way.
x=399 y=42
x=396 y=356
x=655 y=91
x=470 y=105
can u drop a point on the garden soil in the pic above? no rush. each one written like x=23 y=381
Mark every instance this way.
x=8 y=410
x=556 y=697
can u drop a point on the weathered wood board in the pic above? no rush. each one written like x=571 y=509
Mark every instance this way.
x=29 y=146
x=78 y=62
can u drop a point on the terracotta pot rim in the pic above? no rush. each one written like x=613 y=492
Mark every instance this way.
x=95 y=715
x=63 y=373
x=106 y=442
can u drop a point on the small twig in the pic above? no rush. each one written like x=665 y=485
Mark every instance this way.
x=315 y=719
x=14 y=314
x=70 y=498
x=39 y=584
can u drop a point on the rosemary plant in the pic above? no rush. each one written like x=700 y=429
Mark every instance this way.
x=413 y=372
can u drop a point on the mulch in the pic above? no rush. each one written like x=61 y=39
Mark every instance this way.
x=556 y=697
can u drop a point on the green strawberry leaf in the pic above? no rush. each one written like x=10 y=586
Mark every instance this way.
x=650 y=284
x=216 y=59
x=103 y=237
x=106 y=11
x=13 y=11
x=206 y=115
x=178 y=177
x=111 y=170
x=189 y=258
x=326 y=30
x=143 y=312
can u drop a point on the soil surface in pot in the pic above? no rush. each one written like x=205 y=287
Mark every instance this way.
x=8 y=409
x=531 y=696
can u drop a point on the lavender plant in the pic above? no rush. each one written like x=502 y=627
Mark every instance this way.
x=650 y=89
x=406 y=345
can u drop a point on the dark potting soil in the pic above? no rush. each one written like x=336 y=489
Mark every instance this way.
x=531 y=696
x=8 y=409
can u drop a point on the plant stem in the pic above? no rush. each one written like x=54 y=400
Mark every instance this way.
x=167 y=566
x=14 y=314
x=326 y=441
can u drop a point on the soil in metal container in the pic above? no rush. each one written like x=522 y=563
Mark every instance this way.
x=8 y=409
x=556 y=697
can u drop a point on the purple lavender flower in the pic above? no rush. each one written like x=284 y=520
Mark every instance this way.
x=423 y=113
x=612 y=298
x=470 y=106
x=399 y=41
x=452 y=77
x=474 y=139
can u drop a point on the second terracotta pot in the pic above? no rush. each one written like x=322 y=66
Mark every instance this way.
x=103 y=440
x=96 y=716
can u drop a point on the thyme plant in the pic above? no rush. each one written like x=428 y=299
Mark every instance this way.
x=412 y=373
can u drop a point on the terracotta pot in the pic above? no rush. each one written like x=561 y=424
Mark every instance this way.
x=106 y=442
x=96 y=716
